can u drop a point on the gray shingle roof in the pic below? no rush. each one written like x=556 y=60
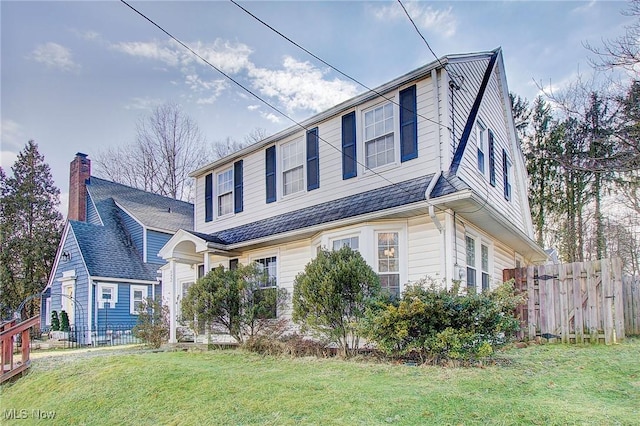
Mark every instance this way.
x=387 y=197
x=448 y=183
x=108 y=251
x=152 y=210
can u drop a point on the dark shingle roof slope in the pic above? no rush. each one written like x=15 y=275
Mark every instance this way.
x=108 y=251
x=155 y=211
x=387 y=197
x=448 y=183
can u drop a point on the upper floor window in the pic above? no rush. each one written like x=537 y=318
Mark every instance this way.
x=292 y=167
x=481 y=139
x=379 y=145
x=225 y=192
x=387 y=262
x=352 y=242
x=506 y=173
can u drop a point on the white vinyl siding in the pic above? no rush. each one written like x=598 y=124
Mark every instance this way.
x=292 y=154
x=225 y=192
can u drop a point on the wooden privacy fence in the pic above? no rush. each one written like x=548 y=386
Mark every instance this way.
x=572 y=303
x=631 y=303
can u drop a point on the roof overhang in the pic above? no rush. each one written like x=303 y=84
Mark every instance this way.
x=474 y=208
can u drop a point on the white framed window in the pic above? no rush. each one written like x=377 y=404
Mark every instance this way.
x=470 y=244
x=107 y=295
x=484 y=261
x=478 y=255
x=388 y=261
x=481 y=142
x=352 y=242
x=270 y=265
x=225 y=192
x=138 y=294
x=379 y=140
x=292 y=167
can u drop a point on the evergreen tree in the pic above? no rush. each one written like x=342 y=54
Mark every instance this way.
x=30 y=229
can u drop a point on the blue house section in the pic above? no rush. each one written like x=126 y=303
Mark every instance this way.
x=134 y=229
x=155 y=241
x=101 y=273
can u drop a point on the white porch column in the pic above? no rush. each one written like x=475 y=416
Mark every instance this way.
x=173 y=303
x=207 y=261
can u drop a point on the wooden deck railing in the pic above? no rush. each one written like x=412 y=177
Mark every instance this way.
x=8 y=331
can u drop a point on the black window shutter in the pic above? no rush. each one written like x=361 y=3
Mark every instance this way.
x=349 y=160
x=408 y=124
x=237 y=187
x=505 y=175
x=270 y=166
x=208 y=198
x=313 y=160
x=492 y=160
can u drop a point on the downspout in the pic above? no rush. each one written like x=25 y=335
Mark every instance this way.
x=432 y=210
x=434 y=180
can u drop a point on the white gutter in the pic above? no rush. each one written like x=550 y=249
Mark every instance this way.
x=432 y=210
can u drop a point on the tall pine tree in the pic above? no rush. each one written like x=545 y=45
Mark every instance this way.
x=30 y=229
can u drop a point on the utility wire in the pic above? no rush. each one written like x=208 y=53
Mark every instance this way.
x=297 y=123
x=248 y=12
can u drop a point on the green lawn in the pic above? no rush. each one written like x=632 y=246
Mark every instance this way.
x=548 y=384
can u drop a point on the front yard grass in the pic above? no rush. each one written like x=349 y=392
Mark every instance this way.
x=548 y=384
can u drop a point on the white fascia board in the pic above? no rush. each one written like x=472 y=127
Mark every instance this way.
x=120 y=280
x=394 y=84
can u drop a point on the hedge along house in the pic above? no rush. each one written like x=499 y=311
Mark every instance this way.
x=423 y=175
x=107 y=261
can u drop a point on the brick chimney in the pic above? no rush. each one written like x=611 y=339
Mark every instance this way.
x=79 y=174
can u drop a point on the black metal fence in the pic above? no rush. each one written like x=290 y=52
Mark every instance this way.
x=82 y=336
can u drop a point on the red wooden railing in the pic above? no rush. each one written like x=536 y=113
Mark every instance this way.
x=8 y=331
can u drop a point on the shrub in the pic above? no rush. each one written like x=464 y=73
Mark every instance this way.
x=235 y=300
x=434 y=323
x=55 y=321
x=331 y=295
x=153 y=323
x=64 y=321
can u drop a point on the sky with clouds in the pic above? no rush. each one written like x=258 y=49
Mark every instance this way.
x=78 y=76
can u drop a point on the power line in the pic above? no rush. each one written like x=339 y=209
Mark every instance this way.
x=248 y=12
x=297 y=123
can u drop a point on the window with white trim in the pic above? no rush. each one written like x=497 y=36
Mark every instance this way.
x=107 y=295
x=270 y=266
x=138 y=294
x=484 y=260
x=481 y=142
x=225 y=192
x=379 y=142
x=478 y=255
x=471 y=262
x=387 y=261
x=352 y=242
x=292 y=167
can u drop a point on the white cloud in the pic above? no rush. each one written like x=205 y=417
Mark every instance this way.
x=253 y=107
x=436 y=21
x=270 y=116
x=7 y=160
x=150 y=50
x=229 y=57
x=12 y=135
x=301 y=86
x=143 y=103
x=54 y=55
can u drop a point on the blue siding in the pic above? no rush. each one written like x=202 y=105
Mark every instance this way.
x=82 y=281
x=92 y=214
x=155 y=241
x=118 y=315
x=134 y=229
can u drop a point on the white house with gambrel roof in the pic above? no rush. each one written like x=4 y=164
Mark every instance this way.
x=423 y=175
